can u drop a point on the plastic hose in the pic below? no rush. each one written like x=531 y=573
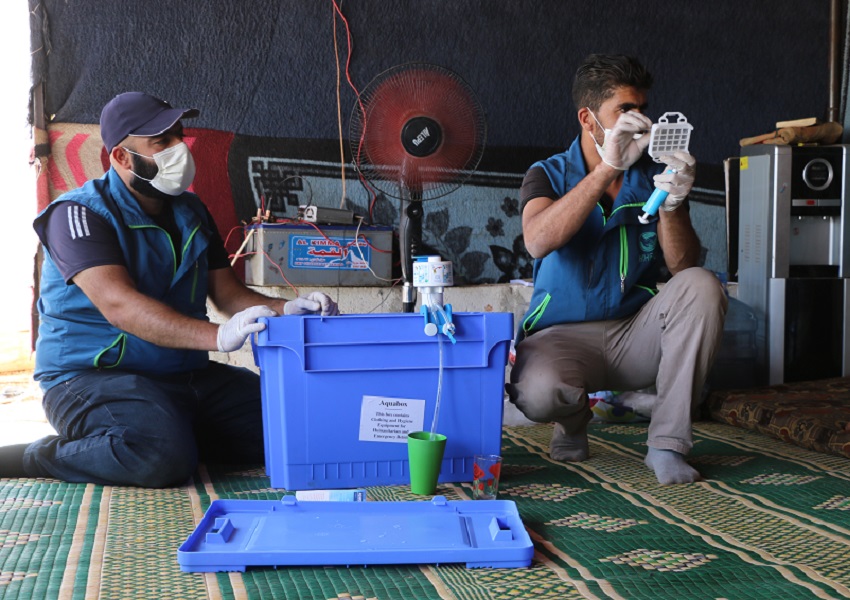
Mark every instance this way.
x=439 y=377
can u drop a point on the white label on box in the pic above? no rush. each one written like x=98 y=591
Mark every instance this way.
x=385 y=419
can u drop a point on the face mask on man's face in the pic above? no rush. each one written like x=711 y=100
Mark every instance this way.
x=605 y=134
x=175 y=169
x=599 y=148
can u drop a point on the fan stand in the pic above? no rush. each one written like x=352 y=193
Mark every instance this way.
x=421 y=137
x=410 y=242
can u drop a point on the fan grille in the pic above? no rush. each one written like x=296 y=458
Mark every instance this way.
x=418 y=132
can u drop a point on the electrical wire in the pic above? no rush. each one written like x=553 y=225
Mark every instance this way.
x=238 y=253
x=363 y=258
x=229 y=233
x=383 y=300
x=339 y=111
x=356 y=159
x=277 y=266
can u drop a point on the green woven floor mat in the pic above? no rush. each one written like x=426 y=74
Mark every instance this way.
x=771 y=520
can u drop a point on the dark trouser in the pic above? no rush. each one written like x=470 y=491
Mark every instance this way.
x=669 y=343
x=119 y=428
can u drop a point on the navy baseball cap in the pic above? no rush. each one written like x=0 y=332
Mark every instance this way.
x=137 y=113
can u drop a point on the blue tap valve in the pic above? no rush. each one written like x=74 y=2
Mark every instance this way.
x=430 y=328
x=438 y=320
x=448 y=327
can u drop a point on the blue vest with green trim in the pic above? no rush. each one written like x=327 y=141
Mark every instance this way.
x=610 y=268
x=74 y=337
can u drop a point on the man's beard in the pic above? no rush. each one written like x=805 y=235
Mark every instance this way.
x=143 y=168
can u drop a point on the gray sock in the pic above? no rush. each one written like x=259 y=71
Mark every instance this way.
x=670 y=467
x=568 y=447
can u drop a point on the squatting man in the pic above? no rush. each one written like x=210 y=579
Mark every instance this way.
x=597 y=319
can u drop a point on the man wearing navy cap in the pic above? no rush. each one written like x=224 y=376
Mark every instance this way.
x=123 y=342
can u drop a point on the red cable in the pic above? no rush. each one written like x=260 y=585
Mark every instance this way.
x=277 y=266
x=229 y=233
x=369 y=189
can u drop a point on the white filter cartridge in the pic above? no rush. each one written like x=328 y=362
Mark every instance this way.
x=430 y=271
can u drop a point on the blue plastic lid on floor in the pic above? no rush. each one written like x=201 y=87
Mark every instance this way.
x=236 y=534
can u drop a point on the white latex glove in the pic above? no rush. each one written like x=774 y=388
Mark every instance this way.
x=234 y=332
x=621 y=150
x=679 y=183
x=312 y=303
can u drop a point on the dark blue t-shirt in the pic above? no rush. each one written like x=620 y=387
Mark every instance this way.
x=79 y=239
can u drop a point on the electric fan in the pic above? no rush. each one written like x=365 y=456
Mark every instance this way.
x=417 y=132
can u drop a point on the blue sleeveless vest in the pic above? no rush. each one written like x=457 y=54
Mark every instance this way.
x=73 y=336
x=610 y=268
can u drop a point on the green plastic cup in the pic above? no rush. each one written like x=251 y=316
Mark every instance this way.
x=425 y=453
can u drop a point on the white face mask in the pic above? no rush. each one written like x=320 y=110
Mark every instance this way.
x=605 y=132
x=176 y=169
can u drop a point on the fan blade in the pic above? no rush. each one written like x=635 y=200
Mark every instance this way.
x=423 y=102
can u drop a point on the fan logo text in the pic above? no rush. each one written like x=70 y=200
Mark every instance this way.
x=421 y=137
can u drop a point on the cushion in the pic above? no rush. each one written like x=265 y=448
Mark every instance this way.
x=811 y=414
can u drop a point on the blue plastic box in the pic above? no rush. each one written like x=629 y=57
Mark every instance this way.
x=341 y=393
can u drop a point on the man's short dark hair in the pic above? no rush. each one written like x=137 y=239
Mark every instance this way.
x=600 y=74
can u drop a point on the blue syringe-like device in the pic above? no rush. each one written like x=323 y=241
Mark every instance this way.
x=665 y=138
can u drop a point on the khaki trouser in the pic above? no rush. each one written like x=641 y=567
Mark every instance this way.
x=670 y=343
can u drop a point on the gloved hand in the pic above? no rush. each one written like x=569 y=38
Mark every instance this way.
x=234 y=332
x=620 y=149
x=677 y=185
x=312 y=303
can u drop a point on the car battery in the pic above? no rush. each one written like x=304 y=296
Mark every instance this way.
x=326 y=255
